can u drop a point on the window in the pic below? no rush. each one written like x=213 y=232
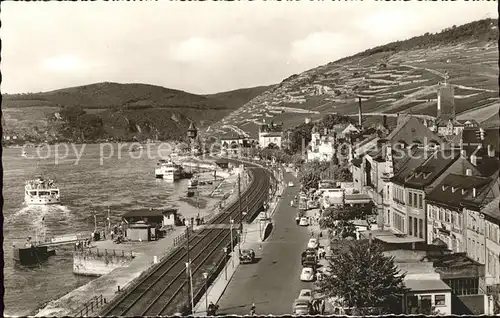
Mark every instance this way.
x=410 y=201
x=463 y=286
x=410 y=228
x=414 y=199
x=434 y=213
x=447 y=216
x=441 y=215
x=439 y=300
x=415 y=226
x=420 y=202
x=421 y=228
x=425 y=304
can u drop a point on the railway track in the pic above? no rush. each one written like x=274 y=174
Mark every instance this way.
x=165 y=287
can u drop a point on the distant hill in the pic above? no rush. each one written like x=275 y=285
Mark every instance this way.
x=399 y=77
x=237 y=98
x=115 y=111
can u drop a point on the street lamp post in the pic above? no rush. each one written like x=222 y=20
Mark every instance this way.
x=225 y=265
x=231 y=229
x=205 y=275
x=244 y=216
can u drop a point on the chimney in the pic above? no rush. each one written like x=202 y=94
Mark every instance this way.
x=474 y=193
x=463 y=191
x=468 y=172
x=360 y=119
x=491 y=151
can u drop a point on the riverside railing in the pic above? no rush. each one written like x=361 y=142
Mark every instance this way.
x=91 y=306
x=106 y=252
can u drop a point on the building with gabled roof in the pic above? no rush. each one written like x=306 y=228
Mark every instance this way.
x=410 y=130
x=377 y=159
x=463 y=212
x=415 y=177
x=231 y=144
x=270 y=134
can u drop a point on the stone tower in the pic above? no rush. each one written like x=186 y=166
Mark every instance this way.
x=445 y=102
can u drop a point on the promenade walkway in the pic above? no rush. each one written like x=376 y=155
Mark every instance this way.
x=108 y=285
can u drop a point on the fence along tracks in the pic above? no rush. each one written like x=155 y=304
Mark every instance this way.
x=160 y=290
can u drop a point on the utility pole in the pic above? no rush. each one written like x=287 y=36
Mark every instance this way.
x=239 y=201
x=188 y=269
x=109 y=221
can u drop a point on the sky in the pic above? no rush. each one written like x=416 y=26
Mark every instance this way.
x=203 y=47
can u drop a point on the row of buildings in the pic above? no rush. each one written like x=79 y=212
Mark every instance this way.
x=270 y=135
x=437 y=185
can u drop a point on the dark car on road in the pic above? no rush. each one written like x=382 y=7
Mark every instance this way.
x=247 y=256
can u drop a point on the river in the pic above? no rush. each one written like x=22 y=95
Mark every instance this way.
x=88 y=182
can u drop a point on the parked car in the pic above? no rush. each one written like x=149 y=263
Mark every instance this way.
x=290 y=184
x=303 y=222
x=302 y=307
x=313 y=243
x=307 y=274
x=306 y=294
x=309 y=259
x=247 y=256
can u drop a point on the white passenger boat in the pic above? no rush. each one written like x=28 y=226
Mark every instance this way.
x=167 y=169
x=24 y=154
x=41 y=192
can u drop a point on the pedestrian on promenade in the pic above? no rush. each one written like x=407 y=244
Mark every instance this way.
x=212 y=309
x=297 y=220
x=252 y=309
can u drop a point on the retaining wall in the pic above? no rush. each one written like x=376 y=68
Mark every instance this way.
x=98 y=263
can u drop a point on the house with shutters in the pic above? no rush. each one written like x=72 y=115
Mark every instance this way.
x=376 y=160
x=270 y=134
x=231 y=144
x=417 y=176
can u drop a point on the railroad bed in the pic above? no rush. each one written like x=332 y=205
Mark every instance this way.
x=164 y=289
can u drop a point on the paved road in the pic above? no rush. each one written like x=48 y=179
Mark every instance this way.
x=273 y=283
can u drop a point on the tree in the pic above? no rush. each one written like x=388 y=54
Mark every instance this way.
x=364 y=279
x=272 y=146
x=349 y=213
x=310 y=174
x=300 y=137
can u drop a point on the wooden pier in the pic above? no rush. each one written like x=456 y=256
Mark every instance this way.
x=64 y=240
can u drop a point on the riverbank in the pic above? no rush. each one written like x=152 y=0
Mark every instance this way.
x=107 y=285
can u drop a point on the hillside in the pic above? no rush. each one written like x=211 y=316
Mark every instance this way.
x=399 y=77
x=237 y=98
x=114 y=111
